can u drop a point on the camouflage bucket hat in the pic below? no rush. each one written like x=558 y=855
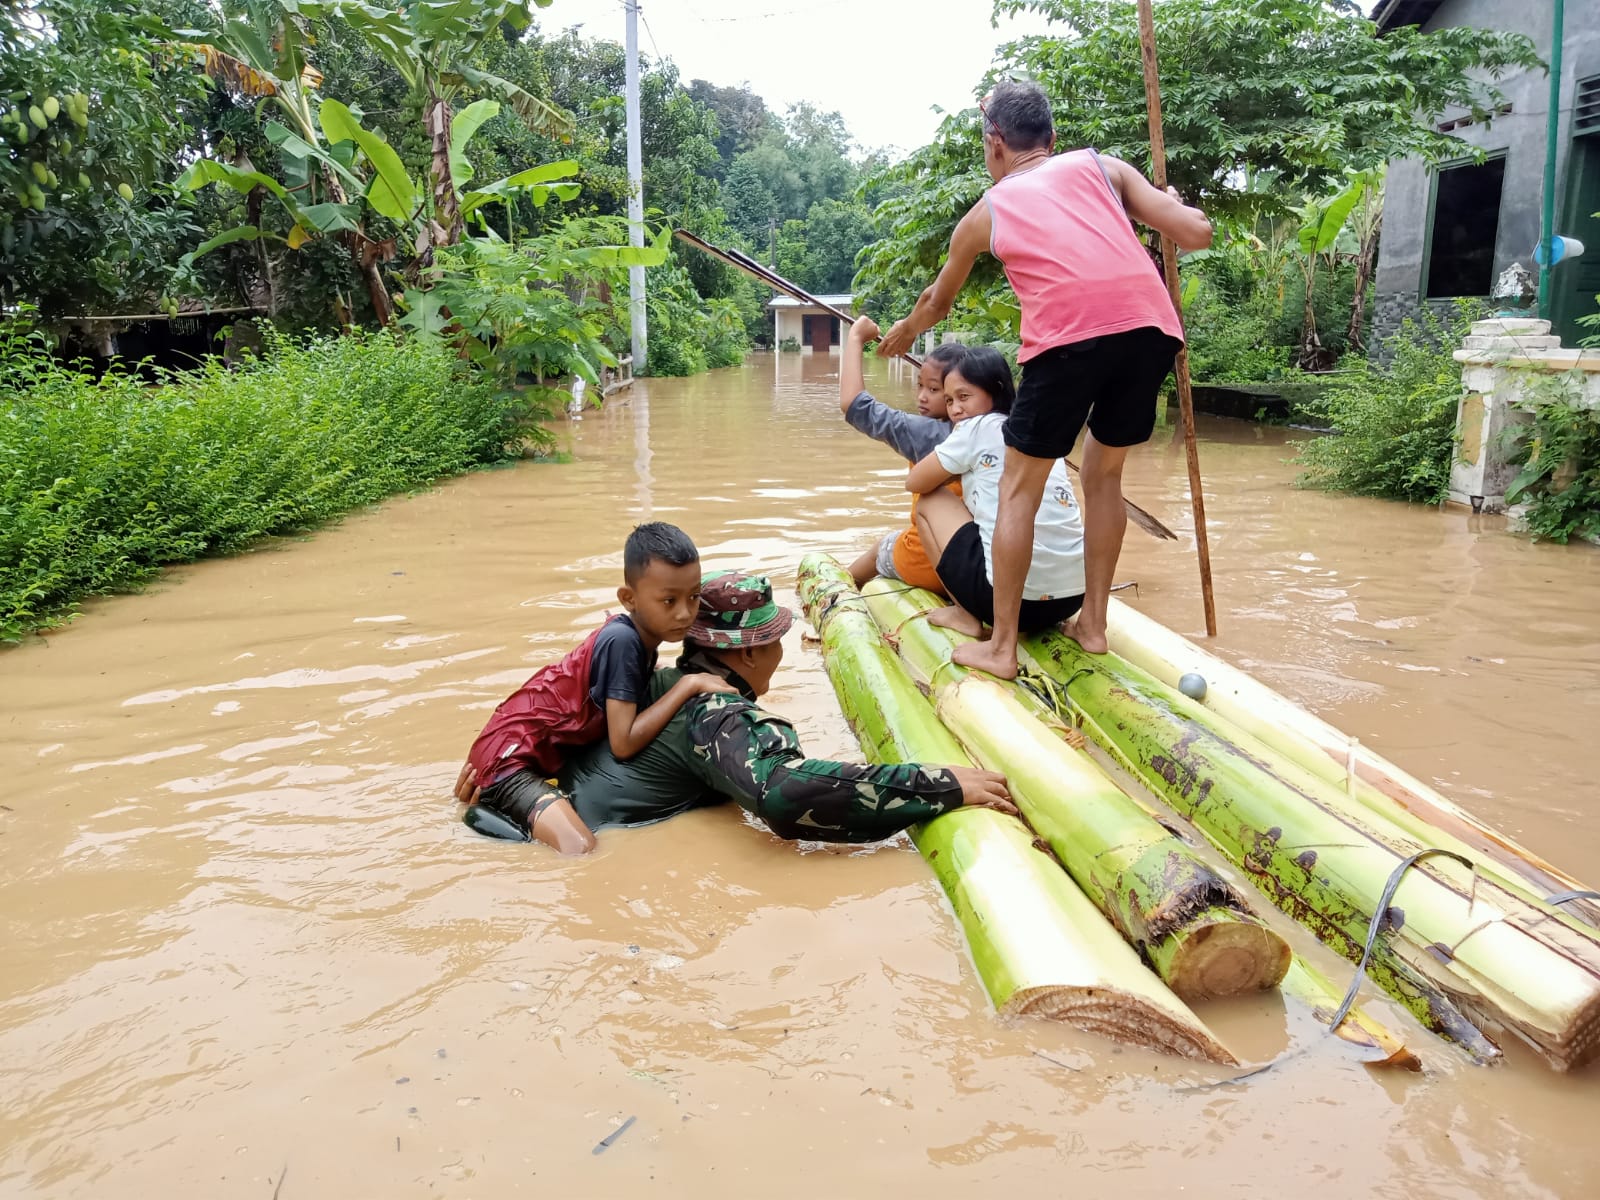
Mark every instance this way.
x=736 y=609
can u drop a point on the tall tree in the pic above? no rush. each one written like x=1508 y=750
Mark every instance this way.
x=749 y=204
x=93 y=113
x=742 y=117
x=1297 y=91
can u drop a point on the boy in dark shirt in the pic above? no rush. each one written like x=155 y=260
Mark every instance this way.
x=601 y=689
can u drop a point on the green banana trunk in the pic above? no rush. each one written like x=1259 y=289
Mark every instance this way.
x=1297 y=739
x=1194 y=929
x=1451 y=955
x=1037 y=942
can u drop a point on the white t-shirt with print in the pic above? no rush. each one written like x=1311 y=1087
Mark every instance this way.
x=976 y=451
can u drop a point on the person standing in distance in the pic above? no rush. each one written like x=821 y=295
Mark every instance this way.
x=1099 y=336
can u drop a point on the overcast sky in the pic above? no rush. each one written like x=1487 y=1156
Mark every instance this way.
x=882 y=64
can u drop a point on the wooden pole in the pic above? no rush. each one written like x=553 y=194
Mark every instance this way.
x=1169 y=260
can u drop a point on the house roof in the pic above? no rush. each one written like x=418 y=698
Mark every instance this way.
x=1392 y=14
x=843 y=301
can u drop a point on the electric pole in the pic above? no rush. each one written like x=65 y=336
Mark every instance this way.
x=636 y=308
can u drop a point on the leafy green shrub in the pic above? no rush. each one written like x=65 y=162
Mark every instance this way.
x=689 y=334
x=1394 y=426
x=1560 y=458
x=789 y=345
x=104 y=481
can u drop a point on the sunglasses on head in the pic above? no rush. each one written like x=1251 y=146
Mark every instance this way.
x=988 y=125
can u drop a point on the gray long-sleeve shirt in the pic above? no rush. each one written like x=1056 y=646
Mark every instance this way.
x=910 y=435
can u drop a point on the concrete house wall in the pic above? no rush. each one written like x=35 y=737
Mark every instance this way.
x=1520 y=135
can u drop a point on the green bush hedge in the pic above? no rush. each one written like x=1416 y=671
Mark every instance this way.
x=104 y=481
x=1395 y=425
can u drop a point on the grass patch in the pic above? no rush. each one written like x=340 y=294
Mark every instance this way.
x=103 y=482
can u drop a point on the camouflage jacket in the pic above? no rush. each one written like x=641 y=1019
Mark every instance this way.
x=722 y=747
x=756 y=760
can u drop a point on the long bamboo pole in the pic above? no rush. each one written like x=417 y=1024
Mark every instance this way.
x=1169 y=261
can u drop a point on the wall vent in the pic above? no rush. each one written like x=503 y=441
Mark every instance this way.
x=1586 y=107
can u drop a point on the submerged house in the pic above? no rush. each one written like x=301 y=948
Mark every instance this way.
x=810 y=326
x=1451 y=230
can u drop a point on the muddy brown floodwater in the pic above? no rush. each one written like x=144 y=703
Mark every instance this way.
x=250 y=952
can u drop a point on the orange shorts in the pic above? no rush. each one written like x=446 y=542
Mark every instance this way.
x=911 y=560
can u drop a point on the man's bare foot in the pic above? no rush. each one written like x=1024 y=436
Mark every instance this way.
x=953 y=616
x=1093 y=642
x=986 y=657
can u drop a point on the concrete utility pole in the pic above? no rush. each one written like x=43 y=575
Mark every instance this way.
x=636 y=308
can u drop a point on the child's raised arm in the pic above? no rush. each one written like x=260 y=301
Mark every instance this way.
x=852 y=378
x=629 y=731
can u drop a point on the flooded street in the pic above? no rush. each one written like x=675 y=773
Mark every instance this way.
x=250 y=952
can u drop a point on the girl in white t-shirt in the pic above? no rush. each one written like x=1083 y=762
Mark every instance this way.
x=957 y=532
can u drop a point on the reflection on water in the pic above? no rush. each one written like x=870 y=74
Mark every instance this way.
x=244 y=934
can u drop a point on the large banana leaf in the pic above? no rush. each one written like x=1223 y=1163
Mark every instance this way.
x=391 y=191
x=462 y=126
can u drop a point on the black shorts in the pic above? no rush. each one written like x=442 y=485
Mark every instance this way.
x=961 y=570
x=522 y=796
x=1112 y=382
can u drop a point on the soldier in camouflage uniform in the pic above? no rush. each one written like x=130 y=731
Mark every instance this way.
x=723 y=746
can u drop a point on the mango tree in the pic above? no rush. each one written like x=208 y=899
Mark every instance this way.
x=91 y=114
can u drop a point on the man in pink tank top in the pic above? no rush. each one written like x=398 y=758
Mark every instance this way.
x=1099 y=335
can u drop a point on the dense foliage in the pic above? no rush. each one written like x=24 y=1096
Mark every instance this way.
x=186 y=156
x=1272 y=109
x=1395 y=425
x=1559 y=456
x=102 y=481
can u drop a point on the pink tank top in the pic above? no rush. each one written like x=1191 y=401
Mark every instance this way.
x=1072 y=257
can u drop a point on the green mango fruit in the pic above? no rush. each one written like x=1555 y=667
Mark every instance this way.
x=51 y=179
x=40 y=174
x=84 y=181
x=124 y=191
x=36 y=115
x=52 y=107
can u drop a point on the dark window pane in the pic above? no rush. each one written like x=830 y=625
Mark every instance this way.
x=1466 y=213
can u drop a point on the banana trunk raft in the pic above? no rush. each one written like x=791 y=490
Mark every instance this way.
x=1320 y=826
x=1038 y=943
x=1096 y=954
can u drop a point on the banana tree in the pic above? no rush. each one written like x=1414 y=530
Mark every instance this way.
x=1367 y=223
x=430 y=43
x=1321 y=223
x=257 y=50
x=362 y=164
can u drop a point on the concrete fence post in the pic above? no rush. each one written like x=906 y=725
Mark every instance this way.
x=1499 y=359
